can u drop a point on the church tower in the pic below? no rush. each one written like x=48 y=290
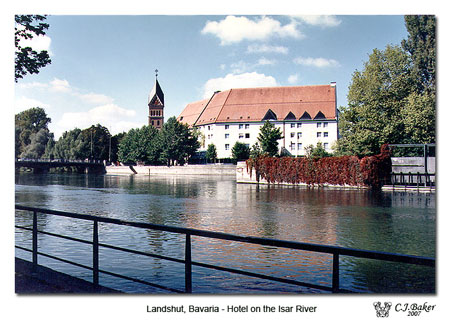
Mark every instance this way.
x=156 y=105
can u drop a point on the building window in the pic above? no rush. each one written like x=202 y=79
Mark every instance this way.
x=241 y=136
x=293 y=125
x=227 y=136
x=209 y=136
x=292 y=147
x=227 y=126
x=227 y=146
x=247 y=126
x=209 y=127
x=299 y=135
x=292 y=135
x=299 y=125
x=325 y=134
x=319 y=134
x=325 y=145
x=325 y=124
x=247 y=135
x=241 y=126
x=319 y=125
x=157 y=123
x=299 y=146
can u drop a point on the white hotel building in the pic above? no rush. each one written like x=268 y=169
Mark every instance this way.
x=306 y=115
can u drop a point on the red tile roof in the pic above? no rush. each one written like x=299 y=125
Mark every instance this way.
x=252 y=104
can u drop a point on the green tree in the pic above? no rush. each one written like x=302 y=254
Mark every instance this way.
x=140 y=145
x=211 y=153
x=28 y=60
x=255 y=151
x=317 y=151
x=376 y=99
x=421 y=45
x=71 y=146
x=96 y=139
x=178 y=142
x=240 y=151
x=38 y=143
x=268 y=138
x=27 y=123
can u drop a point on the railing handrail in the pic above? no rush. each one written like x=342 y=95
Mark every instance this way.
x=330 y=249
x=336 y=251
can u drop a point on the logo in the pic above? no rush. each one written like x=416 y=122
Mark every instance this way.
x=382 y=311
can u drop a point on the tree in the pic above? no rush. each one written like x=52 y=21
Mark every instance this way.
x=375 y=101
x=140 y=145
x=27 y=123
x=240 y=151
x=268 y=138
x=211 y=153
x=421 y=45
x=255 y=151
x=96 y=139
x=317 y=151
x=178 y=142
x=38 y=144
x=28 y=60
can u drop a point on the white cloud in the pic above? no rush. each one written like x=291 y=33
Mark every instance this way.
x=293 y=79
x=60 y=85
x=244 y=80
x=316 y=62
x=234 y=29
x=264 y=61
x=24 y=103
x=255 y=48
x=319 y=20
x=95 y=99
x=106 y=115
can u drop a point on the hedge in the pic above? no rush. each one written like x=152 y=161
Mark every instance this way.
x=370 y=171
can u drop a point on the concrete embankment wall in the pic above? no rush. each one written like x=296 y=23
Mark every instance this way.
x=211 y=169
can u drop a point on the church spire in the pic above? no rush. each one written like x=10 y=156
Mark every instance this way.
x=156 y=105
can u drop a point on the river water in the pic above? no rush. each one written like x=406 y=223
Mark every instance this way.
x=398 y=222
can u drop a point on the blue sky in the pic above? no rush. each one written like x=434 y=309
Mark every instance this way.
x=102 y=67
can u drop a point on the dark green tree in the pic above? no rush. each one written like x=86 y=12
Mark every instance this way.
x=71 y=145
x=27 y=123
x=240 y=151
x=421 y=45
x=268 y=138
x=211 y=153
x=38 y=143
x=28 y=60
x=140 y=145
x=178 y=142
x=97 y=139
x=376 y=98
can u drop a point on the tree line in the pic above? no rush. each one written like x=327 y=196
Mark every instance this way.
x=174 y=144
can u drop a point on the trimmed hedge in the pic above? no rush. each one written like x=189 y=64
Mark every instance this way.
x=370 y=171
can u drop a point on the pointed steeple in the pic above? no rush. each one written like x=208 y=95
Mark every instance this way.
x=156 y=105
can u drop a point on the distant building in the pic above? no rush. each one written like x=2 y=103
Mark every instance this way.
x=156 y=106
x=305 y=114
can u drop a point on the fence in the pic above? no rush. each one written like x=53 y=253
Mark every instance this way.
x=335 y=251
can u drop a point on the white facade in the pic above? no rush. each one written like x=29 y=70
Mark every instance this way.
x=297 y=134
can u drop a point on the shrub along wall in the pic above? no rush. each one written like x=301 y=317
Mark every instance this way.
x=370 y=171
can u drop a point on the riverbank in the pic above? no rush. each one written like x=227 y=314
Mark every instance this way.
x=209 y=169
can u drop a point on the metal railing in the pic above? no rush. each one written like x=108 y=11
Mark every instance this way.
x=413 y=179
x=335 y=251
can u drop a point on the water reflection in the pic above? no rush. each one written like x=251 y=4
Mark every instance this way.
x=397 y=222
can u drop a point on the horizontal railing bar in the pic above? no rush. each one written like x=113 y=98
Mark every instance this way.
x=141 y=281
x=66 y=237
x=262 y=276
x=23 y=248
x=65 y=261
x=141 y=253
x=403 y=258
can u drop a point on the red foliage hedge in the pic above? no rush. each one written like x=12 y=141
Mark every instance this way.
x=370 y=171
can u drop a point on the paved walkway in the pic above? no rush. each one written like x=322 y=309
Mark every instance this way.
x=48 y=281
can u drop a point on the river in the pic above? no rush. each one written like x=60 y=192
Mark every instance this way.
x=398 y=222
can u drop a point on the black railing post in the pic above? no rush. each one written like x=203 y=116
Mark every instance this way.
x=35 y=241
x=335 y=285
x=188 y=265
x=95 y=253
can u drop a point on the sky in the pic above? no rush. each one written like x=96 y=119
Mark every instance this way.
x=103 y=66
